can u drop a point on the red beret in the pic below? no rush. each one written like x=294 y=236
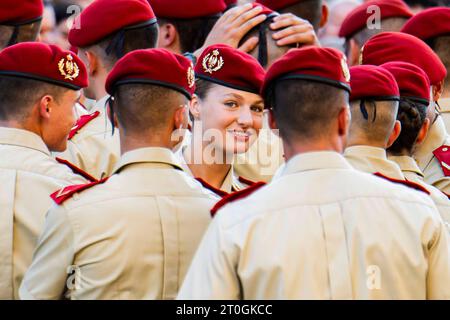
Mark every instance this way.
x=230 y=67
x=104 y=17
x=396 y=46
x=357 y=19
x=265 y=10
x=279 y=4
x=16 y=12
x=373 y=82
x=325 y=65
x=429 y=23
x=412 y=81
x=43 y=62
x=187 y=9
x=156 y=67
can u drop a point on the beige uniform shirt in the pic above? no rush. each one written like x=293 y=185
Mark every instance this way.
x=428 y=163
x=94 y=149
x=132 y=237
x=262 y=159
x=372 y=160
x=412 y=172
x=445 y=111
x=323 y=230
x=28 y=175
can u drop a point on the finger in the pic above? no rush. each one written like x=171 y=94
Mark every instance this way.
x=287 y=22
x=302 y=38
x=243 y=18
x=235 y=12
x=249 y=45
x=292 y=30
x=249 y=25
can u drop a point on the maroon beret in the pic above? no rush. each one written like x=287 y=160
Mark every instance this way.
x=396 y=46
x=43 y=62
x=278 y=4
x=156 y=67
x=17 y=12
x=325 y=65
x=187 y=9
x=372 y=82
x=357 y=19
x=230 y=67
x=105 y=17
x=429 y=23
x=412 y=81
x=265 y=10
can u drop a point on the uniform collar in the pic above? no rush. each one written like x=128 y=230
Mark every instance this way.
x=444 y=103
x=22 y=138
x=315 y=161
x=435 y=138
x=148 y=155
x=407 y=164
x=366 y=151
x=100 y=105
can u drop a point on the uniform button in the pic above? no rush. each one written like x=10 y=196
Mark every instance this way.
x=444 y=149
x=75 y=197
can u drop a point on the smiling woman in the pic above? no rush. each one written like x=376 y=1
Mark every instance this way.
x=227 y=113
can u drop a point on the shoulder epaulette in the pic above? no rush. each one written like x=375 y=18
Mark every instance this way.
x=82 y=121
x=76 y=170
x=407 y=183
x=67 y=192
x=443 y=155
x=236 y=196
x=206 y=185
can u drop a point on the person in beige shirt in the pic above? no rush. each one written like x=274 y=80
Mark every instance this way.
x=338 y=233
x=374 y=125
x=93 y=144
x=415 y=96
x=131 y=236
x=33 y=122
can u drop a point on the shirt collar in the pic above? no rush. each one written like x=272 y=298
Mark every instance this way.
x=148 y=155
x=315 y=161
x=22 y=138
x=100 y=105
x=407 y=163
x=366 y=151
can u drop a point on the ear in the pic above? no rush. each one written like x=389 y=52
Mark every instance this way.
x=92 y=62
x=180 y=118
x=325 y=13
x=194 y=107
x=272 y=121
x=168 y=36
x=423 y=132
x=437 y=90
x=395 y=133
x=344 y=119
x=353 y=55
x=45 y=107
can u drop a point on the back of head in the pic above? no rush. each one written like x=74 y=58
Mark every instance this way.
x=307 y=89
x=310 y=10
x=374 y=105
x=19 y=21
x=103 y=28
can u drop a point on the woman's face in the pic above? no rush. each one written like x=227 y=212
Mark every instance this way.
x=233 y=117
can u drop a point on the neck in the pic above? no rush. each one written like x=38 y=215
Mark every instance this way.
x=213 y=173
x=358 y=141
x=133 y=142
x=98 y=85
x=446 y=93
x=293 y=149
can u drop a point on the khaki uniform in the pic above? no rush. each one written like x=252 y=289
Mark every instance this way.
x=94 y=149
x=445 y=111
x=428 y=163
x=323 y=230
x=263 y=158
x=412 y=172
x=372 y=160
x=28 y=176
x=132 y=237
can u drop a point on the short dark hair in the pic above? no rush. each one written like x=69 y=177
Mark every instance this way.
x=310 y=10
x=17 y=95
x=143 y=107
x=192 y=32
x=10 y=35
x=111 y=48
x=303 y=108
x=412 y=115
